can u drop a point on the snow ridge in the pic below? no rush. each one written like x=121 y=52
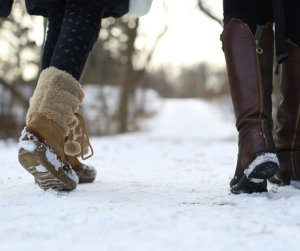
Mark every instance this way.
x=29 y=146
x=259 y=160
x=57 y=163
x=257 y=180
x=41 y=168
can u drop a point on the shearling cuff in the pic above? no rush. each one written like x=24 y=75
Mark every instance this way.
x=57 y=96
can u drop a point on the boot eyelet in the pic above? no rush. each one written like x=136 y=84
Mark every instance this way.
x=259 y=51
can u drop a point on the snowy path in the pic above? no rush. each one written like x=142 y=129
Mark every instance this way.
x=162 y=190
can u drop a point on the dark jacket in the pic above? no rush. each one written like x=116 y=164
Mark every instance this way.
x=5 y=8
x=113 y=8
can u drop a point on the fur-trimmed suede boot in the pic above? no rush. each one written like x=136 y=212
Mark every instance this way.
x=50 y=119
x=287 y=134
x=249 y=60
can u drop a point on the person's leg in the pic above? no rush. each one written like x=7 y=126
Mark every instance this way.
x=288 y=124
x=52 y=116
x=292 y=20
x=80 y=30
x=56 y=11
x=249 y=60
x=251 y=12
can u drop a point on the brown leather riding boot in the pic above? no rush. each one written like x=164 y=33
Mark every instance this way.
x=287 y=134
x=249 y=60
x=50 y=119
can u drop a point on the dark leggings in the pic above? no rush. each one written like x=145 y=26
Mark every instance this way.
x=260 y=12
x=73 y=29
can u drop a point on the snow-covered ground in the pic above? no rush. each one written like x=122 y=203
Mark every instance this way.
x=167 y=189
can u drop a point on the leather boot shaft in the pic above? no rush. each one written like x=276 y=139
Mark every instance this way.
x=249 y=60
x=250 y=79
x=287 y=134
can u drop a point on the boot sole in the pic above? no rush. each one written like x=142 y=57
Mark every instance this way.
x=81 y=180
x=45 y=173
x=254 y=182
x=264 y=171
x=86 y=180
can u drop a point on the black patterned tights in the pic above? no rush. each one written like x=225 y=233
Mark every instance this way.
x=73 y=29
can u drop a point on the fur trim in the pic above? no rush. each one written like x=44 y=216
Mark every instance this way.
x=85 y=146
x=57 y=96
x=72 y=148
x=73 y=125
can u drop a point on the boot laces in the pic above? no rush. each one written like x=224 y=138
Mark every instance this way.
x=81 y=129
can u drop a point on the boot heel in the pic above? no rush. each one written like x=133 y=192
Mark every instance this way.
x=249 y=186
x=255 y=176
x=263 y=166
x=47 y=170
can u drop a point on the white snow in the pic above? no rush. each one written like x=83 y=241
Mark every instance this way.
x=57 y=163
x=164 y=190
x=41 y=168
x=257 y=180
x=27 y=145
x=25 y=134
x=101 y=105
x=266 y=157
x=52 y=158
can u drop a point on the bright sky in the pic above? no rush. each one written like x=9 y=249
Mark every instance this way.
x=192 y=36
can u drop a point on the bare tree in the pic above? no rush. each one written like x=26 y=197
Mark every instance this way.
x=21 y=54
x=113 y=62
x=208 y=12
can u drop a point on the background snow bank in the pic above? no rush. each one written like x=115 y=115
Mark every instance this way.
x=101 y=105
x=162 y=190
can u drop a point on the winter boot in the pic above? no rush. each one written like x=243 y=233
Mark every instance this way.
x=50 y=119
x=249 y=61
x=85 y=174
x=287 y=134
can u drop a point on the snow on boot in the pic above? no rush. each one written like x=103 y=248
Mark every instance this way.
x=51 y=113
x=86 y=174
x=287 y=138
x=249 y=61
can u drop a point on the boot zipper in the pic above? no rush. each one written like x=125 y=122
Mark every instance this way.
x=260 y=51
x=293 y=143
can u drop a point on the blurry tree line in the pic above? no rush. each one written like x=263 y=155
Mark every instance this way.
x=202 y=80
x=115 y=61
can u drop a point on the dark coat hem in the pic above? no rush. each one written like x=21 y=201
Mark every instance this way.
x=112 y=8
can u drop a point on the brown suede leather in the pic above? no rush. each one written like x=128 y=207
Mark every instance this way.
x=74 y=162
x=248 y=76
x=49 y=133
x=287 y=136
